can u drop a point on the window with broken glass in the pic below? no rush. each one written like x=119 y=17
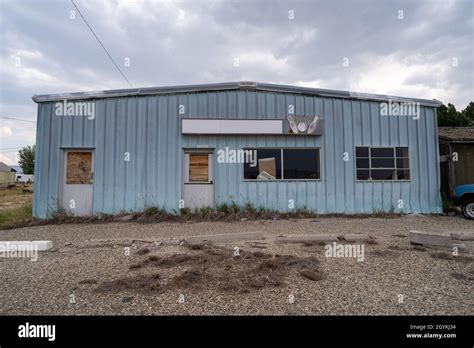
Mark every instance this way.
x=284 y=164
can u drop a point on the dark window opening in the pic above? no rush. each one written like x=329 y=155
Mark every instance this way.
x=382 y=163
x=278 y=164
x=300 y=163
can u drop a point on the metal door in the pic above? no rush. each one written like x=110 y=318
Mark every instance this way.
x=198 y=179
x=77 y=182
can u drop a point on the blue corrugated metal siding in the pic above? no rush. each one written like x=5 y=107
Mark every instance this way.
x=148 y=127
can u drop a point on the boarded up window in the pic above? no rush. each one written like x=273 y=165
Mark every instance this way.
x=198 y=168
x=79 y=168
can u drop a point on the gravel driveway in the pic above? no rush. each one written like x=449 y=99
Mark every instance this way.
x=78 y=277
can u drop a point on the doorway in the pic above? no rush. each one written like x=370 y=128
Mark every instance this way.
x=198 y=178
x=77 y=182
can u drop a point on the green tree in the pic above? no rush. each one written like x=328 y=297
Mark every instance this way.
x=448 y=116
x=27 y=159
x=468 y=113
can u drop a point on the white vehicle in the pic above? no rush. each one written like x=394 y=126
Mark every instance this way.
x=25 y=178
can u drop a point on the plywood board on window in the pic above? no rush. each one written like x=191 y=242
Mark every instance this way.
x=79 y=168
x=198 y=168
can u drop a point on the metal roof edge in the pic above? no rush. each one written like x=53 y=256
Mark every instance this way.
x=344 y=94
x=242 y=85
x=135 y=92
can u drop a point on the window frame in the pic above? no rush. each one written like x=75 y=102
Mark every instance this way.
x=281 y=164
x=370 y=163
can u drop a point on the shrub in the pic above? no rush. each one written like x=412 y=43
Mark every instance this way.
x=234 y=208
x=223 y=208
x=155 y=211
x=249 y=208
x=184 y=211
x=205 y=212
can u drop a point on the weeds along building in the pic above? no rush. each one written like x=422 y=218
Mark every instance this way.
x=279 y=147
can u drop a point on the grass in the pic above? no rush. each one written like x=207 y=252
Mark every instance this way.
x=14 y=197
x=15 y=205
x=16 y=216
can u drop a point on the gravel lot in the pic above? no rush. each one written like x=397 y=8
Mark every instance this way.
x=99 y=279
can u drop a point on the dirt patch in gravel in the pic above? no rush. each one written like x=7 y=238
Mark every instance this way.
x=406 y=248
x=87 y=281
x=143 y=251
x=448 y=256
x=385 y=253
x=145 y=284
x=312 y=275
x=418 y=248
x=219 y=267
x=313 y=243
x=460 y=276
x=371 y=241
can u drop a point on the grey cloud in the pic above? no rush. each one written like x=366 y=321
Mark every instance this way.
x=197 y=41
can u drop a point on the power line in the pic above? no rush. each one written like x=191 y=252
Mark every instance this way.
x=100 y=42
x=17 y=119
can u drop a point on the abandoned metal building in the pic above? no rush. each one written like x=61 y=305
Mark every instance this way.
x=273 y=146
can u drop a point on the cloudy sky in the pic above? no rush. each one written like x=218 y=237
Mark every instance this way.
x=410 y=48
